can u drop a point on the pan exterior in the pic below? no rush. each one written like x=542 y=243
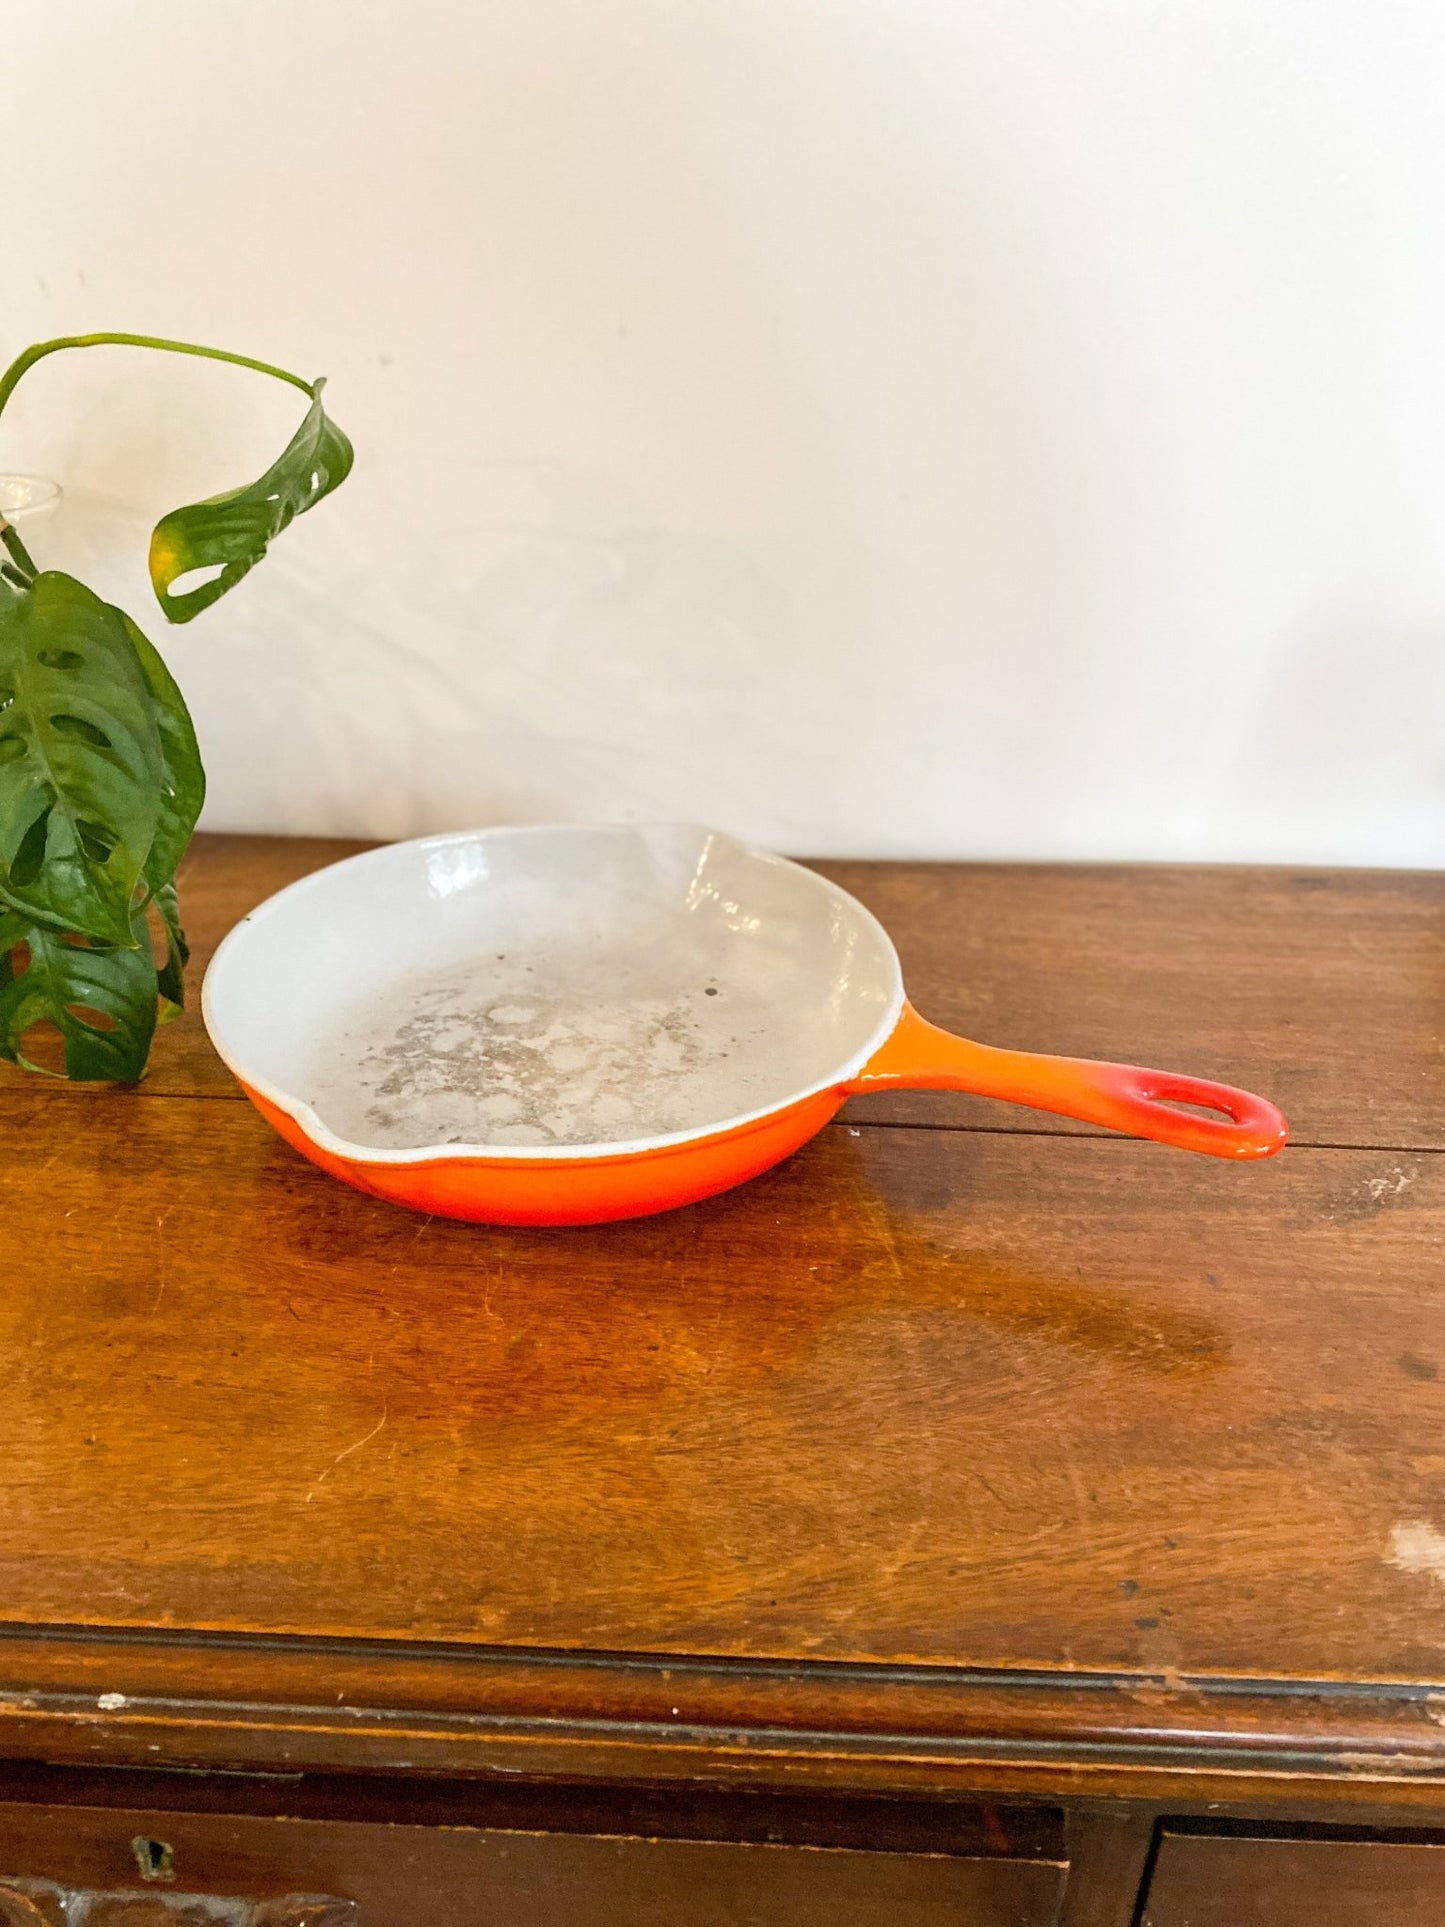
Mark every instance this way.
x=589 y=1190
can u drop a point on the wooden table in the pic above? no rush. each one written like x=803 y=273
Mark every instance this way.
x=977 y=1519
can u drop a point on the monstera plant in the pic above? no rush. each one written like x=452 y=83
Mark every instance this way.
x=100 y=776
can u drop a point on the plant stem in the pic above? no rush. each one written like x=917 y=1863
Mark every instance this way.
x=38 y=352
x=17 y=548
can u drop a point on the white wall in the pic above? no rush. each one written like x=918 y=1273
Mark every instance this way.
x=1003 y=427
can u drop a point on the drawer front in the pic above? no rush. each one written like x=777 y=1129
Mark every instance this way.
x=1211 y=1881
x=410 y=1876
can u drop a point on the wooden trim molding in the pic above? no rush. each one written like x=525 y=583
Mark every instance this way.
x=82 y=1694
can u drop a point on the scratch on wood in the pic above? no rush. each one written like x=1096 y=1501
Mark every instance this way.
x=1159 y=1690
x=1391 y=1764
x=1081 y=1498
x=883 y=1226
x=427 y=1222
x=161 y=1259
x=347 y=1453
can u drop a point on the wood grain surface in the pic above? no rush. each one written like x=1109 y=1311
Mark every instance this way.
x=918 y=1395
x=878 y=1446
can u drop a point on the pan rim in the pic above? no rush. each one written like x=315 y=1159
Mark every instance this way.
x=326 y=1139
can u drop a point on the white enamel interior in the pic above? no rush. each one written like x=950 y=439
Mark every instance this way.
x=639 y=986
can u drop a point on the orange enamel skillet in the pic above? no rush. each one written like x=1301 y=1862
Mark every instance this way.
x=566 y=1025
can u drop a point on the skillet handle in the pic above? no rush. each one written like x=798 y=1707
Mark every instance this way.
x=1124 y=1097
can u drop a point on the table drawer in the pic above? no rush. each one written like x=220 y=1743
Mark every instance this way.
x=1205 y=1880
x=413 y=1876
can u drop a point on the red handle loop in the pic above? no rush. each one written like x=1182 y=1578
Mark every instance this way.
x=1141 y=1103
x=1122 y=1097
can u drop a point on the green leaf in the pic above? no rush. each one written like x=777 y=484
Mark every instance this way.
x=232 y=532
x=183 y=790
x=183 y=780
x=103 y=1002
x=171 y=978
x=80 y=760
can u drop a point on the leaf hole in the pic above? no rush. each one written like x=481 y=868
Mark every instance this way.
x=96 y=841
x=11 y=748
x=78 y=730
x=42 y=1045
x=191 y=579
x=92 y=1018
x=61 y=658
x=25 y=867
